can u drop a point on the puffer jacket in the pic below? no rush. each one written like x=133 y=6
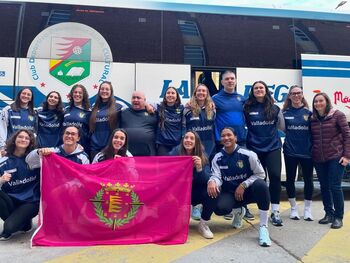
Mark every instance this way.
x=330 y=137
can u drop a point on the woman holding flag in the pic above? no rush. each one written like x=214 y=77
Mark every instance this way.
x=191 y=146
x=117 y=146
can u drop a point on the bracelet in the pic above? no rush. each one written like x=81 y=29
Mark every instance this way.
x=243 y=186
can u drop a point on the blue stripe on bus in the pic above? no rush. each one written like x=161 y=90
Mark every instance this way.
x=325 y=63
x=326 y=73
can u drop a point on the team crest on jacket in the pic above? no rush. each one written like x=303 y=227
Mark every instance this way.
x=240 y=164
x=30 y=117
x=306 y=117
x=178 y=111
x=81 y=115
x=116 y=204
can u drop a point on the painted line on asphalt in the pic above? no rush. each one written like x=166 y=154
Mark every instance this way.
x=333 y=247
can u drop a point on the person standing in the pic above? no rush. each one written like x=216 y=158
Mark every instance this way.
x=19 y=115
x=171 y=124
x=331 y=154
x=264 y=118
x=104 y=118
x=137 y=121
x=200 y=117
x=50 y=117
x=78 y=112
x=297 y=149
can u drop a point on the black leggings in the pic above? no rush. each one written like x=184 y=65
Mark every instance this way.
x=163 y=150
x=200 y=196
x=271 y=162
x=306 y=164
x=257 y=193
x=16 y=214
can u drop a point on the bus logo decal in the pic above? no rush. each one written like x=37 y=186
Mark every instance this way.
x=70 y=59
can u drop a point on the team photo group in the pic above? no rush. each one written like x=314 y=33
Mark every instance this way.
x=234 y=142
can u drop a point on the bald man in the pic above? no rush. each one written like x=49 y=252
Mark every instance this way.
x=140 y=125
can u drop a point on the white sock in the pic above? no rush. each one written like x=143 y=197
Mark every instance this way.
x=202 y=221
x=307 y=204
x=275 y=207
x=263 y=217
x=293 y=203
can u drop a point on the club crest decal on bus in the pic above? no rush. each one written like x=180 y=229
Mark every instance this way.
x=70 y=59
x=66 y=54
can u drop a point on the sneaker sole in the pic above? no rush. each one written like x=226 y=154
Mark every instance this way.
x=277 y=224
x=264 y=244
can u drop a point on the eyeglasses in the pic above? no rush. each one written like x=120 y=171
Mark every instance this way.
x=296 y=93
x=70 y=133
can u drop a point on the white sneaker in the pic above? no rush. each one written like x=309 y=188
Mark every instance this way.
x=307 y=215
x=264 y=237
x=204 y=230
x=238 y=214
x=294 y=215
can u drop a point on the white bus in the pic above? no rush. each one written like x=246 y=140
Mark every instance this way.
x=149 y=45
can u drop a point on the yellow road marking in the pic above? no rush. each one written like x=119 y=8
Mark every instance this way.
x=333 y=247
x=156 y=253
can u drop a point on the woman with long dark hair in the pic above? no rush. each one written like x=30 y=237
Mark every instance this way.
x=19 y=115
x=78 y=113
x=191 y=145
x=331 y=154
x=104 y=118
x=263 y=119
x=117 y=146
x=19 y=193
x=297 y=149
x=170 y=122
x=50 y=117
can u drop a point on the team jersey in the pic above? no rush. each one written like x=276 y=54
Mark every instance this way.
x=298 y=134
x=136 y=122
x=229 y=170
x=203 y=126
x=99 y=138
x=99 y=157
x=24 y=183
x=77 y=156
x=12 y=121
x=229 y=113
x=262 y=133
x=80 y=118
x=174 y=128
x=49 y=128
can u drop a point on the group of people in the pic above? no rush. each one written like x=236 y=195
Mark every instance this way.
x=234 y=142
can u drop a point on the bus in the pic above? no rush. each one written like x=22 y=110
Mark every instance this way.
x=149 y=45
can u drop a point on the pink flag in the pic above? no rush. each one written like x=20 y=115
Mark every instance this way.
x=122 y=201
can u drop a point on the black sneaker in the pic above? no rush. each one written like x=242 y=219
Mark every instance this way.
x=4 y=237
x=248 y=215
x=27 y=227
